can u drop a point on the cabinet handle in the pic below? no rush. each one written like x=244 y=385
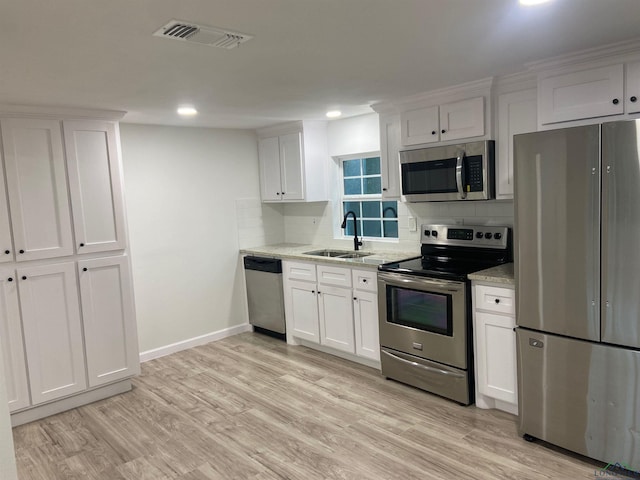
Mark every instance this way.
x=443 y=131
x=355 y=298
x=616 y=101
x=313 y=291
x=277 y=193
x=319 y=292
x=7 y=252
x=433 y=132
x=282 y=193
x=21 y=251
x=10 y=279
x=24 y=277
x=633 y=99
x=384 y=189
x=364 y=280
x=85 y=269
x=497 y=300
x=82 y=244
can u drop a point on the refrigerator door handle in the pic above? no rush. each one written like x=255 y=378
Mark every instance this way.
x=459 y=172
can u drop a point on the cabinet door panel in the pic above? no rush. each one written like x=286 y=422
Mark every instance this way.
x=52 y=331
x=336 y=318
x=95 y=184
x=301 y=305
x=37 y=186
x=517 y=113
x=419 y=126
x=108 y=319
x=583 y=94
x=496 y=356
x=15 y=368
x=632 y=98
x=269 y=158
x=366 y=324
x=462 y=119
x=389 y=155
x=291 y=173
x=5 y=229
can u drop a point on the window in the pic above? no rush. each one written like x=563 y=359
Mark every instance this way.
x=362 y=194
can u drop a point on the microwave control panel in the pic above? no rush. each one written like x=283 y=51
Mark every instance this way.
x=474 y=181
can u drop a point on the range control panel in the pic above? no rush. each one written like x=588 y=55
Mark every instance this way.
x=467 y=235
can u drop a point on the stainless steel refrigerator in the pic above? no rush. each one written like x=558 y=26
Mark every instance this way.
x=577 y=264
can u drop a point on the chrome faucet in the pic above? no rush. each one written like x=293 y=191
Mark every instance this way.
x=356 y=243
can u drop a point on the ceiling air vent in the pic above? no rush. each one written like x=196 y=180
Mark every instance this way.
x=205 y=35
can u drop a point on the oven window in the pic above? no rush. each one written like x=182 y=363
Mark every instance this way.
x=418 y=309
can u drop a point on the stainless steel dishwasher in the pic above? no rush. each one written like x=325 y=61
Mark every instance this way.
x=265 y=295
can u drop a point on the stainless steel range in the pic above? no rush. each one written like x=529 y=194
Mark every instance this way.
x=424 y=307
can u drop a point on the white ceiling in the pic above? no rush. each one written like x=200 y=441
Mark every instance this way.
x=307 y=56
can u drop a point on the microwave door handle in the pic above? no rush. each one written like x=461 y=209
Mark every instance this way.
x=459 y=172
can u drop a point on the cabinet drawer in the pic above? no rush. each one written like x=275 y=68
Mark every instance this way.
x=340 y=277
x=299 y=271
x=495 y=299
x=365 y=280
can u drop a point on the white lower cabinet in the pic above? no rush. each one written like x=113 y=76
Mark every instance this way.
x=107 y=315
x=11 y=340
x=332 y=306
x=52 y=331
x=495 y=347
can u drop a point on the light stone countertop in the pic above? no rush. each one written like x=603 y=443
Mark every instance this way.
x=296 y=251
x=500 y=274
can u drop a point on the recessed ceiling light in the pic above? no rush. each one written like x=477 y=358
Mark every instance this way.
x=334 y=114
x=187 y=111
x=529 y=3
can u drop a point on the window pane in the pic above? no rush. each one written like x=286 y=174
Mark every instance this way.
x=390 y=228
x=349 y=229
x=352 y=186
x=351 y=168
x=372 y=185
x=371 y=166
x=371 y=209
x=390 y=209
x=372 y=228
x=353 y=206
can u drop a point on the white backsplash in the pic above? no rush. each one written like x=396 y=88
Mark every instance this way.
x=259 y=223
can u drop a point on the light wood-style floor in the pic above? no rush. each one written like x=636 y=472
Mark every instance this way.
x=251 y=407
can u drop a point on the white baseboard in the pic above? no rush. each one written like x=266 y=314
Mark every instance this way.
x=193 y=342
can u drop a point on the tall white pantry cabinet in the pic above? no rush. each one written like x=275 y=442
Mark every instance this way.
x=67 y=319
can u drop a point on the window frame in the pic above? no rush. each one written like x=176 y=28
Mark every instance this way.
x=342 y=198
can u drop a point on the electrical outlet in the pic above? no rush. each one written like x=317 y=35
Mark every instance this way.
x=412 y=224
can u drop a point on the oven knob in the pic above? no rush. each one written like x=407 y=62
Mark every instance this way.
x=434 y=233
x=479 y=234
x=497 y=236
x=427 y=233
x=488 y=235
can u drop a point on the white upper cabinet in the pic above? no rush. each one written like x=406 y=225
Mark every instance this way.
x=52 y=331
x=517 y=113
x=463 y=119
x=6 y=247
x=419 y=126
x=449 y=121
x=596 y=92
x=37 y=187
x=108 y=319
x=632 y=97
x=15 y=369
x=294 y=162
x=389 y=155
x=94 y=170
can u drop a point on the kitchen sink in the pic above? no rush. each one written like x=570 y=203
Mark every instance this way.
x=337 y=254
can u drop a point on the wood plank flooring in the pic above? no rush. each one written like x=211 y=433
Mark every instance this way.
x=251 y=407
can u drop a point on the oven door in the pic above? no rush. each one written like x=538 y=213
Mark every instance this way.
x=425 y=317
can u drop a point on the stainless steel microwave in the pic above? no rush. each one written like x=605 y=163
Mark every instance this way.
x=453 y=172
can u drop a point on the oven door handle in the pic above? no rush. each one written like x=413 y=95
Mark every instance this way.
x=459 y=172
x=425 y=367
x=402 y=281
